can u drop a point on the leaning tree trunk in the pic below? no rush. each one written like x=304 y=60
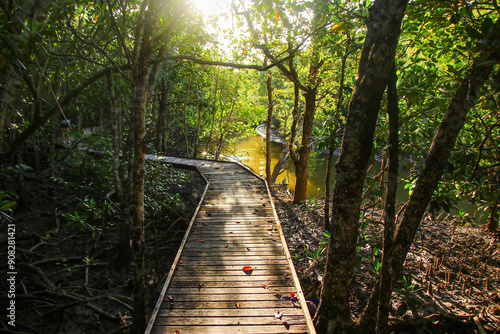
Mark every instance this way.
x=377 y=56
x=440 y=149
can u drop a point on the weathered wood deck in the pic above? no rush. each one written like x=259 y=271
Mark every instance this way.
x=207 y=290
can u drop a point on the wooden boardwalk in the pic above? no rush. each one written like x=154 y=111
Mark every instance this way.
x=207 y=290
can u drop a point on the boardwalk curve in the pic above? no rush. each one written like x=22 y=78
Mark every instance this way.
x=207 y=289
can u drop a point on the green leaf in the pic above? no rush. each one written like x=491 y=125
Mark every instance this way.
x=473 y=33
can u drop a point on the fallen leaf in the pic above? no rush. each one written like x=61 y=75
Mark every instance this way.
x=200 y=240
x=238 y=222
x=170 y=298
x=177 y=332
x=225 y=246
x=247 y=268
x=278 y=315
x=237 y=305
x=273 y=239
x=270 y=228
x=248 y=249
x=264 y=286
x=301 y=269
x=181 y=260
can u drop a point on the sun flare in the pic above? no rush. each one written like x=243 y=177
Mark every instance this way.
x=211 y=7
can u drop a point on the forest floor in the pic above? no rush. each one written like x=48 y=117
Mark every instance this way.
x=452 y=273
x=66 y=278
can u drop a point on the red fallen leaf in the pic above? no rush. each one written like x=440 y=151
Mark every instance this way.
x=273 y=239
x=170 y=298
x=270 y=228
x=182 y=260
x=200 y=240
x=177 y=332
x=238 y=222
x=301 y=269
x=264 y=286
x=225 y=246
x=237 y=305
x=247 y=268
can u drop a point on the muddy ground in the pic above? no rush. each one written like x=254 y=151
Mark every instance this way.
x=452 y=272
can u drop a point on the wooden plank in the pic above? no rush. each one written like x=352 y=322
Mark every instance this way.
x=280 y=281
x=230 y=321
x=252 y=278
x=283 y=290
x=264 y=297
x=234 y=304
x=237 y=312
x=294 y=329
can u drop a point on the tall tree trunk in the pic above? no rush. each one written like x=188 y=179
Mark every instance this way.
x=197 y=137
x=302 y=164
x=270 y=106
x=390 y=206
x=140 y=84
x=333 y=134
x=214 y=111
x=377 y=56
x=184 y=111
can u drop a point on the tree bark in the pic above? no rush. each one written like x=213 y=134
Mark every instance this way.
x=184 y=111
x=302 y=164
x=377 y=56
x=390 y=206
x=270 y=105
x=333 y=134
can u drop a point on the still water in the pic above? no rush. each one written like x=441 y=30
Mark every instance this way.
x=251 y=152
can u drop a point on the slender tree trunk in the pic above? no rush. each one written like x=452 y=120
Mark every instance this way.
x=302 y=165
x=377 y=56
x=214 y=111
x=390 y=206
x=184 y=111
x=333 y=134
x=270 y=106
x=197 y=137
x=140 y=84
